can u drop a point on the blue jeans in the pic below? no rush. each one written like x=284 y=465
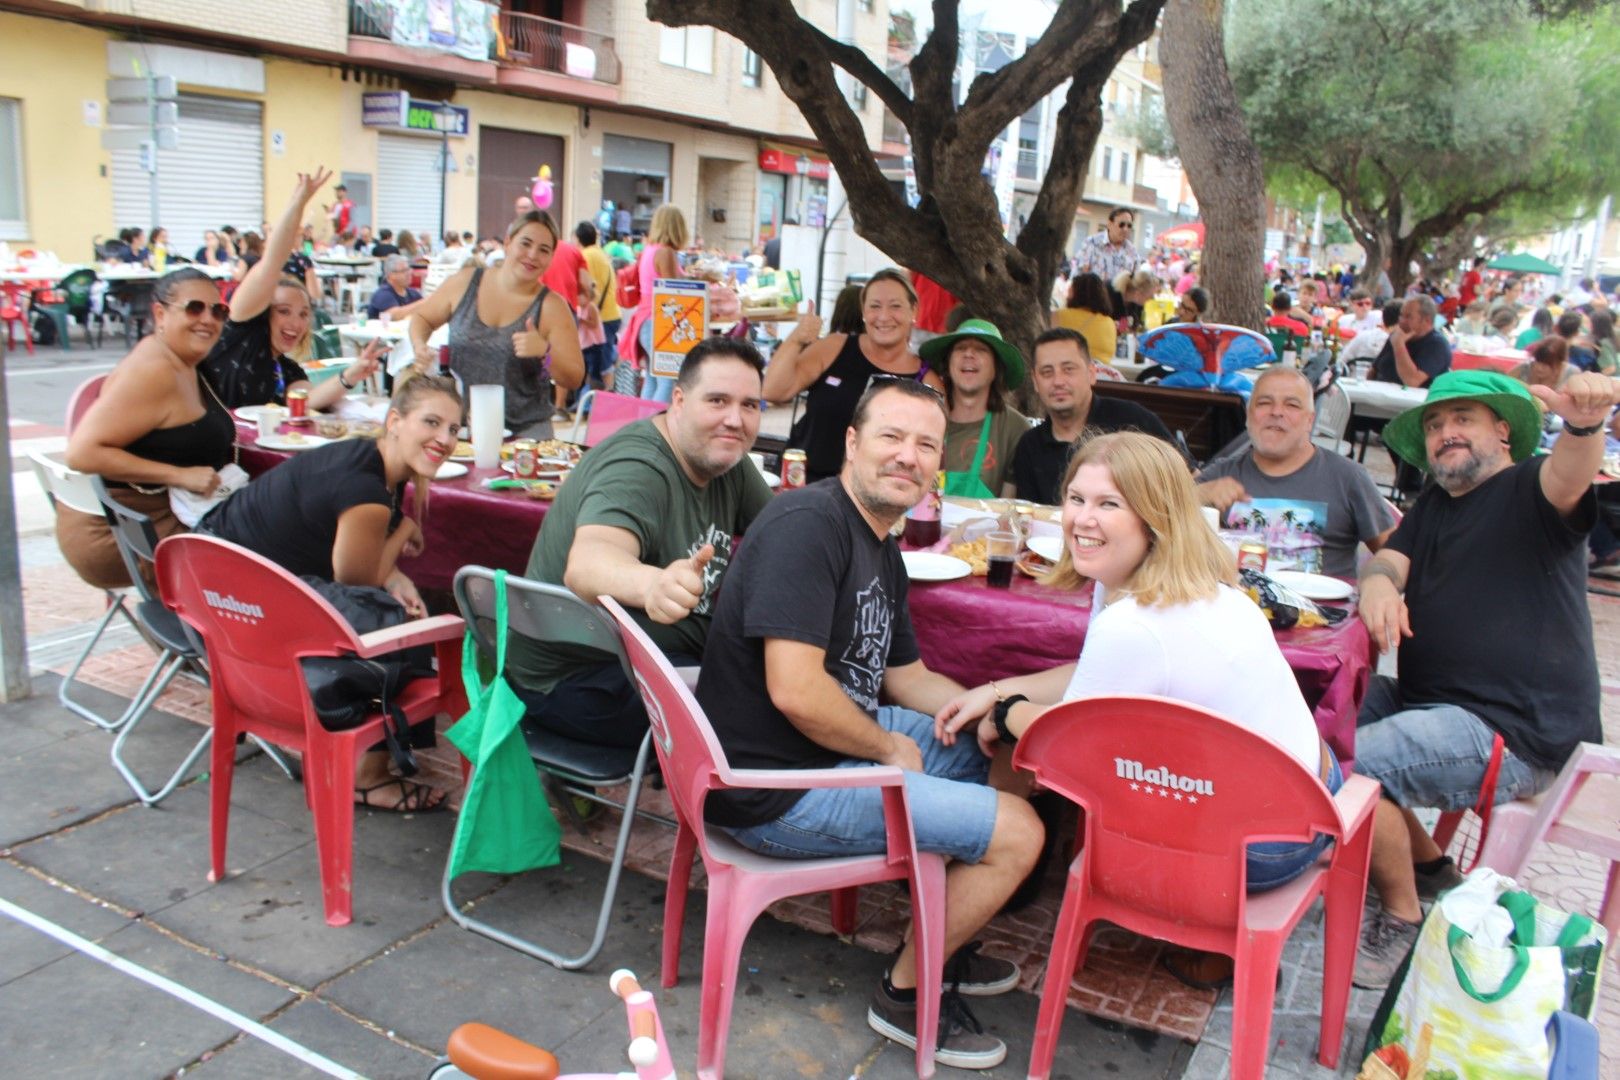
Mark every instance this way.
x=1277 y=862
x=952 y=810
x=599 y=359
x=596 y=704
x=653 y=387
x=1434 y=755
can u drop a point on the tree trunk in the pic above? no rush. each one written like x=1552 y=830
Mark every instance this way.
x=1220 y=158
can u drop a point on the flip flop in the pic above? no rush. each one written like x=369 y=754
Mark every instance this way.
x=413 y=797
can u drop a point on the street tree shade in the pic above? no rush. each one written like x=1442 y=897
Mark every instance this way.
x=1427 y=119
x=954 y=235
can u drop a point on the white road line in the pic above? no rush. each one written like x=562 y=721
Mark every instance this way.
x=184 y=993
x=71 y=369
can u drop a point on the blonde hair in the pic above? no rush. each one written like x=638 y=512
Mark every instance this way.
x=408 y=395
x=533 y=217
x=1141 y=280
x=668 y=227
x=304 y=350
x=1185 y=560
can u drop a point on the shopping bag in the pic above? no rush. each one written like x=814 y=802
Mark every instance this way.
x=1490 y=968
x=506 y=825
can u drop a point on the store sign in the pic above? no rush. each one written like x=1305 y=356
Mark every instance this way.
x=781 y=161
x=395 y=109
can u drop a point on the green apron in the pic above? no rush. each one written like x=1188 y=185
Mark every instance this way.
x=506 y=825
x=970 y=484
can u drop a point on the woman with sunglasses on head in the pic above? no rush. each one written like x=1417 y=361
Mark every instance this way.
x=837 y=369
x=270 y=322
x=157 y=424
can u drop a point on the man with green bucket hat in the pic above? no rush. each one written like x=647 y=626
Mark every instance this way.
x=979 y=368
x=1485 y=580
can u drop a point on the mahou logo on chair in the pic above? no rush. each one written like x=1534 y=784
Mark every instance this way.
x=1162 y=779
x=231 y=605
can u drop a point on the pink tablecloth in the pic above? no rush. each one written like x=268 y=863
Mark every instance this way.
x=467 y=524
x=974 y=633
x=1502 y=361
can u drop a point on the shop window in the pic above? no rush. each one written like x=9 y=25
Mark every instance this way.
x=13 y=225
x=690 y=47
x=752 y=73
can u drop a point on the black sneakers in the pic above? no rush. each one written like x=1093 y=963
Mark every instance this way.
x=1442 y=878
x=970 y=972
x=963 y=1043
x=1385 y=941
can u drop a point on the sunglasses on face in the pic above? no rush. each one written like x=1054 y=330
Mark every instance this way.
x=881 y=380
x=194 y=308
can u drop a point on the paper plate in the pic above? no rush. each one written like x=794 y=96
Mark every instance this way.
x=449 y=471
x=1049 y=548
x=291 y=442
x=549 y=470
x=930 y=566
x=250 y=413
x=772 y=480
x=1313 y=586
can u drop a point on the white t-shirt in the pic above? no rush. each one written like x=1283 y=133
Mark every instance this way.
x=1218 y=654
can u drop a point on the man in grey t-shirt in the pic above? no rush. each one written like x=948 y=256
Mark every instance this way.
x=1310 y=507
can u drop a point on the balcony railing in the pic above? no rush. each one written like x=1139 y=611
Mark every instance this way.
x=547 y=45
x=371 y=21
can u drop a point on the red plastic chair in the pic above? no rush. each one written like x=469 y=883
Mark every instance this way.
x=1171 y=795
x=84 y=396
x=742 y=884
x=608 y=412
x=257 y=621
x=1556 y=816
x=14 y=314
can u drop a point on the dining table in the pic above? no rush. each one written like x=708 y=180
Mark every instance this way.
x=1380 y=400
x=1503 y=360
x=974 y=633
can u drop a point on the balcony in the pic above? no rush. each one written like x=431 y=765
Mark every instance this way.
x=372 y=41
x=558 y=58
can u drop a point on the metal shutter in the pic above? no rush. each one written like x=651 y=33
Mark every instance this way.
x=408 y=184
x=214 y=178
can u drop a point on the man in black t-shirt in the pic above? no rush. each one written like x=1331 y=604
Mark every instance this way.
x=810 y=632
x=1064 y=376
x=1485 y=580
x=1416 y=352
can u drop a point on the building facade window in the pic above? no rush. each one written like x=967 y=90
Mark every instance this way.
x=857 y=97
x=1108 y=163
x=13 y=200
x=868 y=5
x=752 y=73
x=1124 y=168
x=690 y=47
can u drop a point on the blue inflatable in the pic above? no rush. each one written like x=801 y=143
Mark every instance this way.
x=1206 y=356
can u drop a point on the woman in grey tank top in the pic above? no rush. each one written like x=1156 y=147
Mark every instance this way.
x=525 y=337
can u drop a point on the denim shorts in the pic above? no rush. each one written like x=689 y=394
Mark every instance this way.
x=1277 y=862
x=952 y=810
x=1434 y=755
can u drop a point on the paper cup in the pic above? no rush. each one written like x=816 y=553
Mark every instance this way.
x=268 y=423
x=758 y=459
x=1212 y=516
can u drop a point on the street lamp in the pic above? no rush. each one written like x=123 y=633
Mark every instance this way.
x=444 y=118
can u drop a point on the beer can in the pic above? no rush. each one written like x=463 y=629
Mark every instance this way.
x=1252 y=556
x=794 y=469
x=525 y=460
x=297 y=403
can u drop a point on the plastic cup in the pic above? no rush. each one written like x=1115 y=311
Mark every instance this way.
x=1212 y=517
x=268 y=423
x=1002 y=550
x=1362 y=370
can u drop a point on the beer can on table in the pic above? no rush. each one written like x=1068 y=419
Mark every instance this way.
x=525 y=460
x=1252 y=556
x=297 y=403
x=794 y=469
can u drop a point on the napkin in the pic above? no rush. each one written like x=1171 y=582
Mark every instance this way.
x=190 y=507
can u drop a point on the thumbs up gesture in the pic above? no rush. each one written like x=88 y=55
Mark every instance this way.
x=678 y=589
x=529 y=342
x=807 y=331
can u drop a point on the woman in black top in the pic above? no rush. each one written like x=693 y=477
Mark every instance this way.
x=271 y=316
x=334 y=512
x=837 y=368
x=156 y=425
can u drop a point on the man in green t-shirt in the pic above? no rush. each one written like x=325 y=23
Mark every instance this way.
x=649 y=519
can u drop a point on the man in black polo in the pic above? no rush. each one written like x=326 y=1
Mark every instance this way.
x=1416 y=352
x=1063 y=378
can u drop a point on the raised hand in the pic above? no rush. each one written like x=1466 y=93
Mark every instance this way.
x=678 y=589
x=307 y=184
x=1585 y=399
x=529 y=342
x=807 y=331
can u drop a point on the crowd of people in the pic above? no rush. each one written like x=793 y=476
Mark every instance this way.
x=807 y=656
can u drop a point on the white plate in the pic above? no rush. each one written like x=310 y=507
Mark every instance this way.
x=930 y=566
x=449 y=471
x=1313 y=586
x=283 y=442
x=555 y=475
x=466 y=433
x=772 y=480
x=250 y=413
x=1049 y=548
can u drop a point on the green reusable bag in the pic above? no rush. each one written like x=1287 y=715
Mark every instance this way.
x=506 y=825
x=970 y=484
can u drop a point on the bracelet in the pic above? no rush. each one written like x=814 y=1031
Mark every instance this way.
x=996 y=690
x=1003 y=707
x=1581 y=432
x=345 y=383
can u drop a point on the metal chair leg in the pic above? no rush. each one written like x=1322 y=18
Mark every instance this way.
x=158 y=681
x=84 y=712
x=295 y=773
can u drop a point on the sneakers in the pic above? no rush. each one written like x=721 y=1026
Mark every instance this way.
x=1431 y=883
x=963 y=1043
x=1385 y=941
x=970 y=972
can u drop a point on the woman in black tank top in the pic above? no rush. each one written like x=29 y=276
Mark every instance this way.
x=157 y=424
x=838 y=368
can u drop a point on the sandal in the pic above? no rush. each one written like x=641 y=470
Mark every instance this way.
x=414 y=798
x=1203 y=970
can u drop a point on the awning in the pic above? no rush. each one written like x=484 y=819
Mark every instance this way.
x=1522 y=263
x=791 y=160
x=1190 y=235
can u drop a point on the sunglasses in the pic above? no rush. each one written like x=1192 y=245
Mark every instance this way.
x=1362 y=303
x=194 y=308
x=882 y=380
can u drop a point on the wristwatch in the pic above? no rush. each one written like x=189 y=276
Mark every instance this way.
x=999 y=718
x=1571 y=429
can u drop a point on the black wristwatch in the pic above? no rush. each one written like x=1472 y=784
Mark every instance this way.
x=999 y=718
x=1571 y=429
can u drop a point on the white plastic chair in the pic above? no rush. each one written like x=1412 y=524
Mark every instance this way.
x=355 y=292
x=1332 y=419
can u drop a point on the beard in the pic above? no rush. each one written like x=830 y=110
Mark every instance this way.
x=1459 y=477
x=880 y=505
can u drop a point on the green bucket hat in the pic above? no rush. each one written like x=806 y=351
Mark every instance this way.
x=1507 y=397
x=936 y=352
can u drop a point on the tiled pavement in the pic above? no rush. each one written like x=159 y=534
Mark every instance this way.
x=1121 y=981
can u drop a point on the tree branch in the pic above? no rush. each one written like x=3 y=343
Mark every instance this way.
x=858 y=64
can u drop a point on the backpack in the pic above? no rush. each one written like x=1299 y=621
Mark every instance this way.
x=628 y=290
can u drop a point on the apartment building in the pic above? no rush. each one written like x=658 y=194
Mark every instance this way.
x=447 y=108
